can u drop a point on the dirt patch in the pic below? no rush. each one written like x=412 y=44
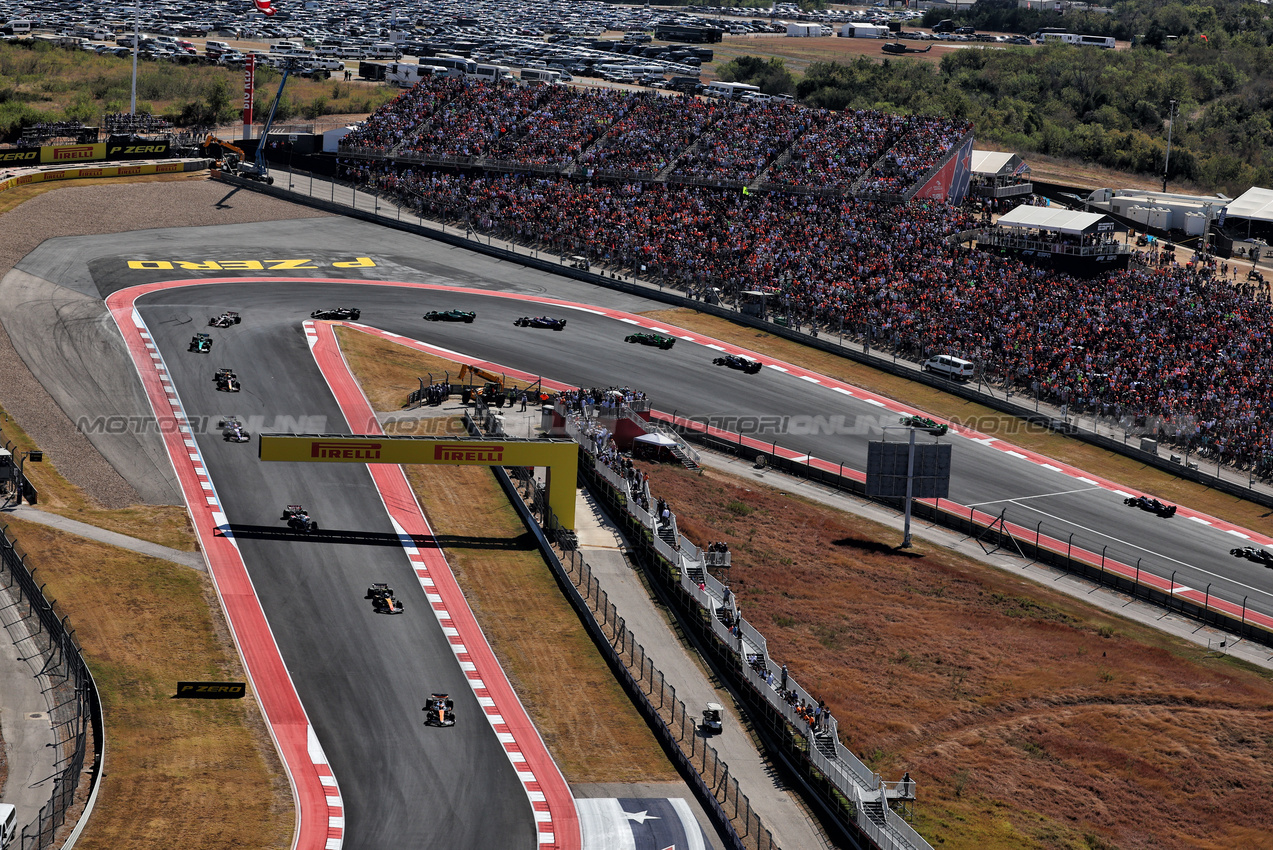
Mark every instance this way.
x=1027 y=718
x=188 y=773
x=591 y=728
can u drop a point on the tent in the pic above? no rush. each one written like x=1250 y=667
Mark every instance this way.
x=655 y=440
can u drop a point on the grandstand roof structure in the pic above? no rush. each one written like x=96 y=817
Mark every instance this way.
x=1059 y=220
x=998 y=164
x=1255 y=204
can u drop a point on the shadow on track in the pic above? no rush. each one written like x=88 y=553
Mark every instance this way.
x=326 y=535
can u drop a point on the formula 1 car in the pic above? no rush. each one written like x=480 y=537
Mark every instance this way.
x=451 y=316
x=227 y=381
x=439 y=710
x=1259 y=556
x=232 y=430
x=226 y=319
x=382 y=599
x=337 y=313
x=201 y=343
x=925 y=424
x=1152 y=505
x=298 y=518
x=737 y=361
x=663 y=342
x=541 y=322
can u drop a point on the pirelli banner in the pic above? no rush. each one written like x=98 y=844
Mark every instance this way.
x=95 y=171
x=560 y=457
x=112 y=150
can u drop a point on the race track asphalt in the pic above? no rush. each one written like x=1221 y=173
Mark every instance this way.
x=363 y=677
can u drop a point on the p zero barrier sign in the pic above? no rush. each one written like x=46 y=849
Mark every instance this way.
x=559 y=457
x=211 y=690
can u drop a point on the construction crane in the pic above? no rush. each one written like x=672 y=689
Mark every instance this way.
x=262 y=168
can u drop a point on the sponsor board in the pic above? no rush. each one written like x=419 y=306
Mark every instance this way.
x=211 y=690
x=138 y=150
x=560 y=457
x=72 y=153
x=249 y=265
x=96 y=171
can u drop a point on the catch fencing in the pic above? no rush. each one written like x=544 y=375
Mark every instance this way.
x=35 y=625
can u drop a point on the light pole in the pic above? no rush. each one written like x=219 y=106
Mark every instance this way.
x=1171 y=124
x=132 y=109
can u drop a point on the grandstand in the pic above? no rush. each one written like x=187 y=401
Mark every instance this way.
x=775 y=146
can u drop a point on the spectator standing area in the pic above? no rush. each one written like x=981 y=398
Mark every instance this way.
x=1080 y=243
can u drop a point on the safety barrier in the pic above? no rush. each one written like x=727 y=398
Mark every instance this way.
x=999 y=530
x=68 y=686
x=846 y=788
x=674 y=724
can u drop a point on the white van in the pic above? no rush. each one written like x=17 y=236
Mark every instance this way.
x=385 y=51
x=216 y=48
x=16 y=27
x=8 y=824
x=951 y=367
x=493 y=73
x=540 y=77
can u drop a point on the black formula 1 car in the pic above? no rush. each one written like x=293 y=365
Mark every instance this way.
x=1259 y=556
x=541 y=322
x=925 y=424
x=201 y=343
x=451 y=316
x=298 y=518
x=337 y=314
x=439 y=710
x=663 y=342
x=227 y=381
x=229 y=317
x=737 y=361
x=232 y=430
x=1154 y=506
x=382 y=599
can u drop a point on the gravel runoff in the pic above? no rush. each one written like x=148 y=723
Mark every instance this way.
x=91 y=211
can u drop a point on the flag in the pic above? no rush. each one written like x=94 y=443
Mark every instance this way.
x=746 y=191
x=264 y=7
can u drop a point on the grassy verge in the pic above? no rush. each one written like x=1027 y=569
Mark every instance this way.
x=589 y=724
x=1115 y=467
x=167 y=525
x=389 y=373
x=179 y=773
x=1029 y=719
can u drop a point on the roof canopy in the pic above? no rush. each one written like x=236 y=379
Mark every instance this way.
x=1058 y=220
x=1254 y=203
x=997 y=164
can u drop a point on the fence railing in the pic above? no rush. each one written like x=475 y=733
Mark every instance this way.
x=740 y=644
x=74 y=707
x=676 y=726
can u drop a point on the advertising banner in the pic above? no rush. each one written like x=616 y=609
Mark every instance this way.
x=72 y=153
x=19 y=156
x=561 y=457
x=137 y=149
x=100 y=171
x=249 y=89
x=211 y=690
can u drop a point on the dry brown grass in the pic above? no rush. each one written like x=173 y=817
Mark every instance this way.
x=388 y=372
x=167 y=525
x=1029 y=719
x=179 y=773
x=1106 y=464
x=589 y=724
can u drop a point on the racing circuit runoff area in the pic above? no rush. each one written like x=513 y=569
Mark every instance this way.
x=295 y=602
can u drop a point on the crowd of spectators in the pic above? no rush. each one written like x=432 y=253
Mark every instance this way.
x=43 y=131
x=652 y=134
x=843 y=149
x=920 y=146
x=557 y=127
x=746 y=138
